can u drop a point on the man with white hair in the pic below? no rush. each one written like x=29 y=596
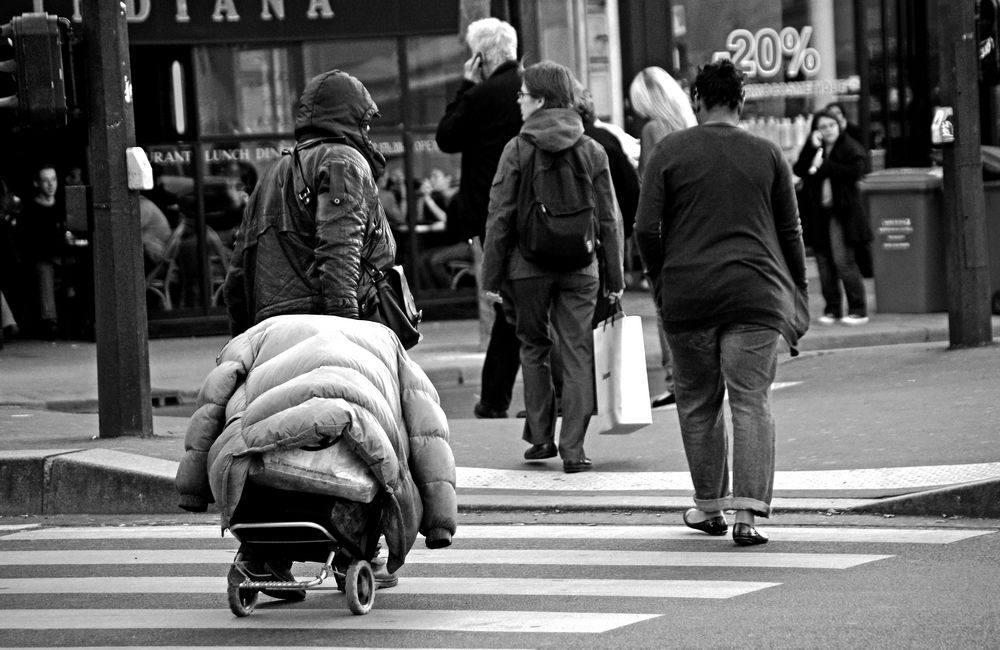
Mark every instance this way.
x=478 y=123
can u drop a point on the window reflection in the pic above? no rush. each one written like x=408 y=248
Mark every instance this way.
x=244 y=91
x=374 y=61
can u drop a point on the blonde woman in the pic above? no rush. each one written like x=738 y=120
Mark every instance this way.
x=657 y=97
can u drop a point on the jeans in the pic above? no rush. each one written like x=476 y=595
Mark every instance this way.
x=564 y=302
x=838 y=266
x=740 y=358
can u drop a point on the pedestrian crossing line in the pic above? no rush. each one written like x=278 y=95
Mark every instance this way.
x=777 y=533
x=548 y=557
x=440 y=620
x=811 y=534
x=605 y=588
x=229 y=647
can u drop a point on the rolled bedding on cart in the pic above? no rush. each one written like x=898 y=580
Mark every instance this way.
x=303 y=382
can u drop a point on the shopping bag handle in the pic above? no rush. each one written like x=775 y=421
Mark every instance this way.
x=617 y=313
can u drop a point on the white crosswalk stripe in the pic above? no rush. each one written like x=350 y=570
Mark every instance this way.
x=411 y=585
x=399 y=619
x=840 y=534
x=487 y=564
x=516 y=557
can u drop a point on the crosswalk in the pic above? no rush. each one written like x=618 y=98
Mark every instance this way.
x=63 y=585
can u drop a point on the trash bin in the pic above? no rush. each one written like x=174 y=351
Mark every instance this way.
x=905 y=208
x=992 y=191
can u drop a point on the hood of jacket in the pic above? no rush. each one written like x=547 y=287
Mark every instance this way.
x=335 y=105
x=553 y=129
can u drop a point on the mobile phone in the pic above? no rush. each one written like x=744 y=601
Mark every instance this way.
x=477 y=60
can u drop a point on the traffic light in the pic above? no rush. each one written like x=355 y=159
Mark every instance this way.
x=39 y=42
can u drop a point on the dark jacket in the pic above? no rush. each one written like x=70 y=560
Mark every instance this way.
x=294 y=256
x=478 y=123
x=718 y=231
x=623 y=175
x=550 y=129
x=844 y=166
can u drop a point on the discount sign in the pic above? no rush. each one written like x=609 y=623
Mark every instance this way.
x=764 y=53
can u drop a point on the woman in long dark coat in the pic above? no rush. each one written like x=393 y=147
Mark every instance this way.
x=834 y=222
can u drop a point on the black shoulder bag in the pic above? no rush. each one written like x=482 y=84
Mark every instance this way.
x=396 y=307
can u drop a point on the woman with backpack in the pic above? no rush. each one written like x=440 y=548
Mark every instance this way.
x=552 y=211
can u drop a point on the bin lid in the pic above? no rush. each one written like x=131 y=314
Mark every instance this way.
x=926 y=179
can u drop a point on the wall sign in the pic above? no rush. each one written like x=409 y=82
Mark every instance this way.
x=768 y=52
x=195 y=21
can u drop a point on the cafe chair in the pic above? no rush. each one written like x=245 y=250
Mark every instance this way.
x=164 y=274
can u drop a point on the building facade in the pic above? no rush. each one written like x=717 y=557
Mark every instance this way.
x=216 y=81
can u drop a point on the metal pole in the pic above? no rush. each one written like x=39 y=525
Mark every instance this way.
x=966 y=261
x=119 y=282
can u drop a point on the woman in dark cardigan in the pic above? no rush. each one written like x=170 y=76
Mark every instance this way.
x=834 y=223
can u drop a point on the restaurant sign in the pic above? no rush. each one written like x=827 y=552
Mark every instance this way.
x=191 y=21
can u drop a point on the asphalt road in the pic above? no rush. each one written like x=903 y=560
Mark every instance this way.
x=608 y=582
x=833 y=410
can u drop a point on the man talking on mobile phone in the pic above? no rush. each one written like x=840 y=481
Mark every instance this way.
x=479 y=121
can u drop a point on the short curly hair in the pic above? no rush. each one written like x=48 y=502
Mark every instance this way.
x=719 y=83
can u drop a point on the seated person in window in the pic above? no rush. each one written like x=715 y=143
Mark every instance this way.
x=439 y=198
x=155 y=232
x=392 y=195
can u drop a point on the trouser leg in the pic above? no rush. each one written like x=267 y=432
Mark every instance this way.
x=573 y=306
x=501 y=363
x=532 y=298
x=847 y=269
x=699 y=387
x=749 y=360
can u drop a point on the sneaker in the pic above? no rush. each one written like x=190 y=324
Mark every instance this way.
x=854 y=319
x=663 y=399
x=487 y=412
x=828 y=319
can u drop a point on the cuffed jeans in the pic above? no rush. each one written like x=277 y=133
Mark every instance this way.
x=567 y=301
x=837 y=266
x=741 y=358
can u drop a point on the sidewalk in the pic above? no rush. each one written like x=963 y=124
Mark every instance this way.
x=52 y=462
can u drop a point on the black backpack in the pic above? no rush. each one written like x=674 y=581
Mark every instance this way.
x=556 y=209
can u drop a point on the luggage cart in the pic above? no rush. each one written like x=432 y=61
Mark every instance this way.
x=302 y=541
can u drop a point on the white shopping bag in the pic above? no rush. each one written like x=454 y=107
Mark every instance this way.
x=620 y=375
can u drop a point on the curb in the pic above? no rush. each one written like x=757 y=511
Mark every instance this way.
x=975 y=499
x=102 y=482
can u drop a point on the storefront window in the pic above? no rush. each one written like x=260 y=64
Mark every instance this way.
x=243 y=91
x=799 y=56
x=435 y=71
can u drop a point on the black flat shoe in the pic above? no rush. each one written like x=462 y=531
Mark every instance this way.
x=541 y=452
x=747 y=535
x=715 y=526
x=574 y=466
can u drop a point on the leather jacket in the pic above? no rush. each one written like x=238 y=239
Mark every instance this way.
x=301 y=254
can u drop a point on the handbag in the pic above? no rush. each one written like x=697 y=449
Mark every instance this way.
x=620 y=375
x=396 y=308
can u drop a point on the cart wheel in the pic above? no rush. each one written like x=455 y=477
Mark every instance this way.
x=241 y=601
x=360 y=584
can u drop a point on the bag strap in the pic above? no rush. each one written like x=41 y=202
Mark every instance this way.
x=373 y=271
